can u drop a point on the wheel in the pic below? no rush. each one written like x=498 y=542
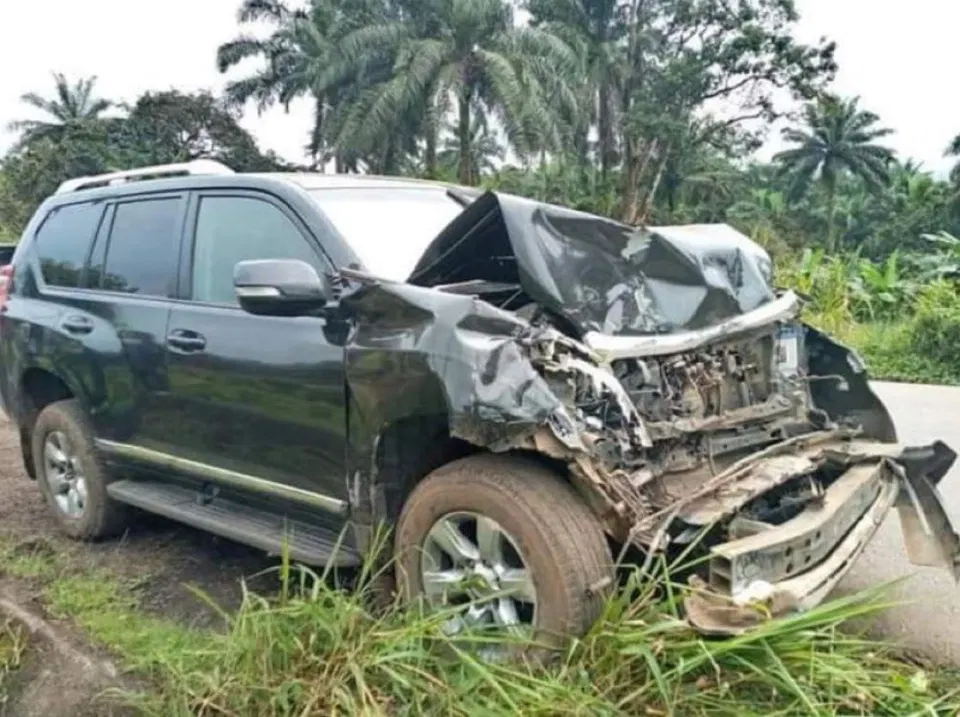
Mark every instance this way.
x=72 y=478
x=509 y=536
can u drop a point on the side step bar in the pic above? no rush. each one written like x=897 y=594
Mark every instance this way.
x=310 y=543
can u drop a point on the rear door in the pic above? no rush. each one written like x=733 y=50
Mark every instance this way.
x=133 y=272
x=97 y=313
x=255 y=402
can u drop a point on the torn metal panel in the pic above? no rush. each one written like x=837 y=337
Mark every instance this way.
x=928 y=535
x=713 y=613
x=420 y=352
x=777 y=569
x=598 y=274
x=681 y=392
x=792 y=547
x=732 y=496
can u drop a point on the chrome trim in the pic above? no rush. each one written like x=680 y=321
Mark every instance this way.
x=257 y=292
x=227 y=477
x=196 y=167
x=610 y=348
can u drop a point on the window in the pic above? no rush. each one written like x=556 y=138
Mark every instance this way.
x=389 y=229
x=142 y=249
x=235 y=229
x=64 y=240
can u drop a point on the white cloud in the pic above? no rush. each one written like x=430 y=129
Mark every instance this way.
x=896 y=56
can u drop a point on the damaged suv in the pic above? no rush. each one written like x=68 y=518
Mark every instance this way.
x=521 y=391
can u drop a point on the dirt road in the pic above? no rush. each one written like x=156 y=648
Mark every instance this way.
x=168 y=556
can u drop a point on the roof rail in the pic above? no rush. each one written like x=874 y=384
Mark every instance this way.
x=196 y=167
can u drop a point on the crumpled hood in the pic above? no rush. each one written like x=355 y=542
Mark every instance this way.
x=599 y=274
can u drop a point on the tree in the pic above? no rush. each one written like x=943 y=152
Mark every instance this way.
x=161 y=127
x=304 y=57
x=33 y=171
x=694 y=71
x=471 y=54
x=838 y=137
x=486 y=150
x=953 y=150
x=596 y=30
x=74 y=104
x=165 y=127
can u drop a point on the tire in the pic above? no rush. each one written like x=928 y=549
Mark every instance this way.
x=101 y=516
x=561 y=542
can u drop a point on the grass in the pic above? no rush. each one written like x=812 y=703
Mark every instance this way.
x=13 y=645
x=313 y=649
x=318 y=650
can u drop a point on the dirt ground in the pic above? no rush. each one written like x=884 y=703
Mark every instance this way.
x=167 y=554
x=62 y=675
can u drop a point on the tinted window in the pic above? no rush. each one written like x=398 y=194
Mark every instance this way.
x=235 y=229
x=142 y=248
x=64 y=240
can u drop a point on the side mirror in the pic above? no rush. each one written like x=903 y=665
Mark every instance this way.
x=280 y=287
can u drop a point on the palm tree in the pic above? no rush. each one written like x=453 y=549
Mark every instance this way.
x=486 y=150
x=838 y=138
x=74 y=104
x=303 y=57
x=595 y=29
x=469 y=54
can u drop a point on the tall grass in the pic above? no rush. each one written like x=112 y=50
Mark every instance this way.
x=315 y=649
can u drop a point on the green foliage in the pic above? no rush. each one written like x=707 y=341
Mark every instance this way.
x=13 y=646
x=904 y=320
x=935 y=331
x=160 y=127
x=316 y=650
x=74 y=104
x=838 y=137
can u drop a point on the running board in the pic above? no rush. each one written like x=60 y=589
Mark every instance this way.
x=309 y=543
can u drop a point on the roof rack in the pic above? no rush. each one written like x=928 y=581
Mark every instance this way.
x=196 y=167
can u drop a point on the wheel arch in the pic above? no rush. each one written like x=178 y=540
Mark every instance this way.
x=39 y=387
x=411 y=448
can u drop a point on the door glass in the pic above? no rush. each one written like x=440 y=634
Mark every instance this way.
x=235 y=229
x=63 y=241
x=142 y=249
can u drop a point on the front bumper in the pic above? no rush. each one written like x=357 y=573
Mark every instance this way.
x=794 y=566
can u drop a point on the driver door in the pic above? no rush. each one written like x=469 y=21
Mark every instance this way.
x=255 y=401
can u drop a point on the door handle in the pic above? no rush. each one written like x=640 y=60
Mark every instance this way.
x=186 y=341
x=77 y=324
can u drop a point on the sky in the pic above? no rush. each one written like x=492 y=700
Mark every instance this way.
x=896 y=56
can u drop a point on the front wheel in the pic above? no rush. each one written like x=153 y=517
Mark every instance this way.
x=510 y=541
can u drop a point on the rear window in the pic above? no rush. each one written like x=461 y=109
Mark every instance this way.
x=64 y=240
x=142 y=248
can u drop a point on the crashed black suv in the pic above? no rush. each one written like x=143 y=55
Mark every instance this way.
x=519 y=390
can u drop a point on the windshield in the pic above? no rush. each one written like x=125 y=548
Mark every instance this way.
x=388 y=228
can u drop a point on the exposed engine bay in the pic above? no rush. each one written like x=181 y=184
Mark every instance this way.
x=684 y=394
x=725 y=444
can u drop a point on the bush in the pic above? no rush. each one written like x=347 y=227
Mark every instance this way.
x=891 y=355
x=935 y=329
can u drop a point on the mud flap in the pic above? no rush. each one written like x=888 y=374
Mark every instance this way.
x=928 y=535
